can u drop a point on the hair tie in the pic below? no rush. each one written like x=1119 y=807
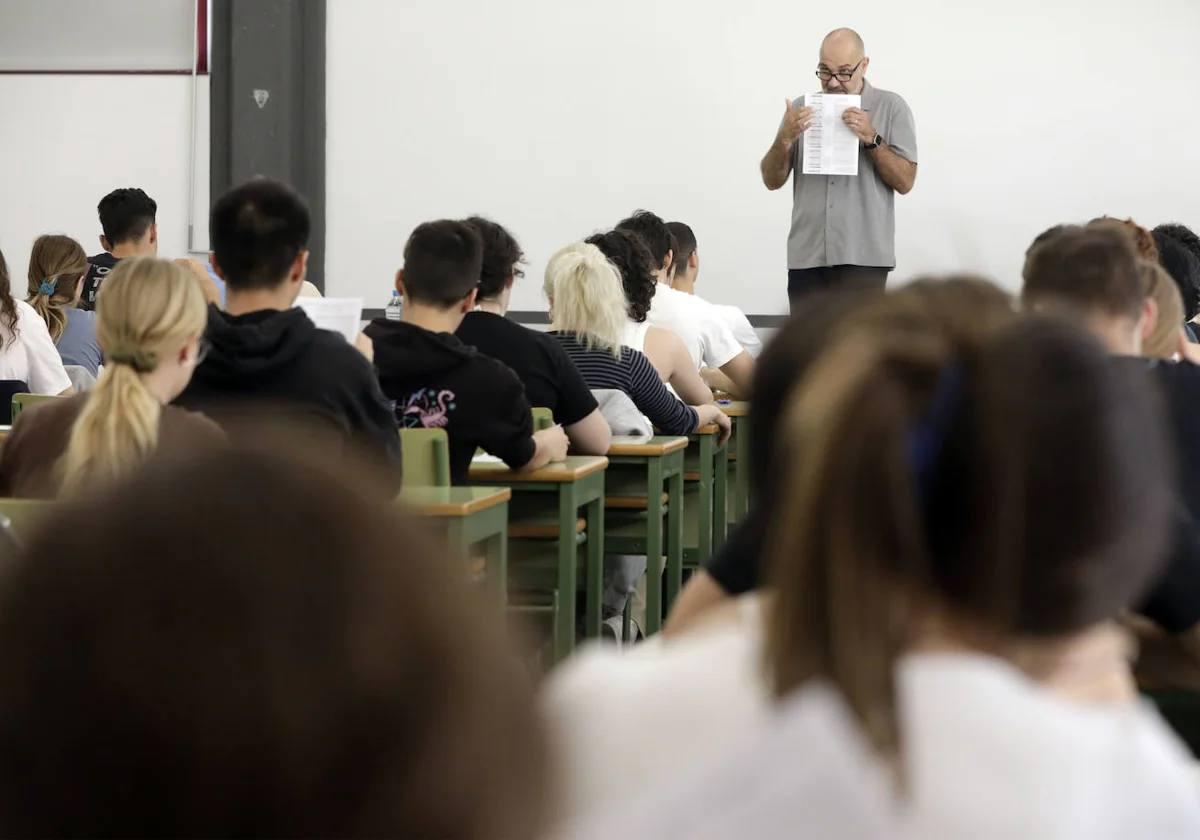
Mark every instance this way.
x=142 y=361
x=47 y=286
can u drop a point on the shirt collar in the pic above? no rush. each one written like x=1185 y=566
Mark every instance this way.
x=869 y=96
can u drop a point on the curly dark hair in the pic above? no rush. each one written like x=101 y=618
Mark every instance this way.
x=501 y=257
x=654 y=232
x=634 y=263
x=1182 y=234
x=1182 y=264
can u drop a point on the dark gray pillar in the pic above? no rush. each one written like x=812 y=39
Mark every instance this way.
x=268 y=102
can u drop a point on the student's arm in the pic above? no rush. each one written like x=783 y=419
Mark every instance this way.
x=718 y=381
x=700 y=595
x=740 y=372
x=734 y=569
x=369 y=415
x=654 y=400
x=684 y=378
x=710 y=414
x=207 y=287
x=591 y=435
x=549 y=445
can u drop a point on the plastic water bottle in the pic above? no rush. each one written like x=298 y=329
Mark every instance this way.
x=395 y=307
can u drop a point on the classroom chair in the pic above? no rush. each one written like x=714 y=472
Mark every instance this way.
x=543 y=418
x=426 y=457
x=9 y=388
x=23 y=401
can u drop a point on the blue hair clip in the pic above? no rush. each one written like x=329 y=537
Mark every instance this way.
x=928 y=439
x=47 y=287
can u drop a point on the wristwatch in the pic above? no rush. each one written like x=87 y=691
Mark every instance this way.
x=874 y=144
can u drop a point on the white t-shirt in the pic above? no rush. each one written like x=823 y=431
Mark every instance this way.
x=741 y=328
x=708 y=338
x=32 y=357
x=988 y=752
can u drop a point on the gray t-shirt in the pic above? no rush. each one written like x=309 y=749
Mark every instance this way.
x=851 y=219
x=77 y=345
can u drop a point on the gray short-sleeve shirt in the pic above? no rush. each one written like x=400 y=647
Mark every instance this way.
x=851 y=220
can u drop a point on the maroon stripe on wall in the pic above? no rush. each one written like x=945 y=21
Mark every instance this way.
x=202 y=36
x=44 y=72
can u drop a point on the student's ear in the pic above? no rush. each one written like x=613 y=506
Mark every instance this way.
x=154 y=233
x=694 y=260
x=104 y=243
x=669 y=263
x=1148 y=320
x=512 y=278
x=400 y=282
x=468 y=303
x=212 y=260
x=299 y=267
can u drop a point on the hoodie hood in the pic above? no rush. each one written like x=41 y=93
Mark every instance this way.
x=406 y=354
x=255 y=344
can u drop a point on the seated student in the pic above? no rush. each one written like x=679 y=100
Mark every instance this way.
x=264 y=356
x=1094 y=276
x=437 y=381
x=27 y=352
x=588 y=317
x=128 y=219
x=150 y=321
x=665 y=350
x=970 y=509
x=1179 y=254
x=687 y=269
x=57 y=266
x=550 y=380
x=1166 y=339
x=703 y=330
x=236 y=644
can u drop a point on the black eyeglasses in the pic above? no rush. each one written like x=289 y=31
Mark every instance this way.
x=843 y=75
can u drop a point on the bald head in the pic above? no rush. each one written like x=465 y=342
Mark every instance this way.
x=845 y=41
x=843 y=51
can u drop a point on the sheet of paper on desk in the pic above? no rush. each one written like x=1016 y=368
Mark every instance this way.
x=342 y=315
x=484 y=458
x=830 y=147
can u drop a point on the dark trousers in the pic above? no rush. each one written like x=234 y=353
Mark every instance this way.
x=805 y=281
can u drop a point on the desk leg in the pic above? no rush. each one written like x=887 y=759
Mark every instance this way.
x=497 y=555
x=595 y=564
x=742 y=505
x=654 y=543
x=564 y=628
x=704 y=540
x=675 y=535
x=720 y=497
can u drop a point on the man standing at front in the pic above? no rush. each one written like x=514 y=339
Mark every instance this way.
x=844 y=227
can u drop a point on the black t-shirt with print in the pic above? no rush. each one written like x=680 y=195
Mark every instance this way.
x=550 y=380
x=99 y=268
x=438 y=382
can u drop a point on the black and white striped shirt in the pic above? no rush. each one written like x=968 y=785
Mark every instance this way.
x=634 y=375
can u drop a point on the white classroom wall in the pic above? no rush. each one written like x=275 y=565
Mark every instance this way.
x=558 y=118
x=69 y=140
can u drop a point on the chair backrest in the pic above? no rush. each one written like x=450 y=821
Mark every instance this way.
x=23 y=401
x=426 y=457
x=9 y=388
x=543 y=418
x=23 y=514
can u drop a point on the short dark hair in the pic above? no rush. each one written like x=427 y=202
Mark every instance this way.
x=654 y=233
x=442 y=262
x=1182 y=264
x=628 y=253
x=1182 y=234
x=257 y=231
x=501 y=256
x=125 y=214
x=303 y=634
x=1089 y=269
x=685 y=242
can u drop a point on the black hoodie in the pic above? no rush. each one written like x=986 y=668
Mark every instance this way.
x=439 y=382
x=280 y=359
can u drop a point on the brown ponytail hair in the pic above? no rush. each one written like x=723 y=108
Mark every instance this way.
x=947 y=453
x=149 y=310
x=8 y=307
x=57 y=266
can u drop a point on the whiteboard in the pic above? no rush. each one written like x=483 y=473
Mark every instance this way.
x=557 y=119
x=89 y=35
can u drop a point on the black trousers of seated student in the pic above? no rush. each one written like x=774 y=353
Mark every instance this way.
x=804 y=281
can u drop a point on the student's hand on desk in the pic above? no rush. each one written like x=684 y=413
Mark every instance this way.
x=554 y=442
x=713 y=414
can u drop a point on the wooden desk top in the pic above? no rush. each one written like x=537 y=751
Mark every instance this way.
x=574 y=468
x=652 y=447
x=736 y=408
x=452 y=501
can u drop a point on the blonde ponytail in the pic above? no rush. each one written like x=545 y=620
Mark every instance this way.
x=587 y=297
x=57 y=265
x=149 y=310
